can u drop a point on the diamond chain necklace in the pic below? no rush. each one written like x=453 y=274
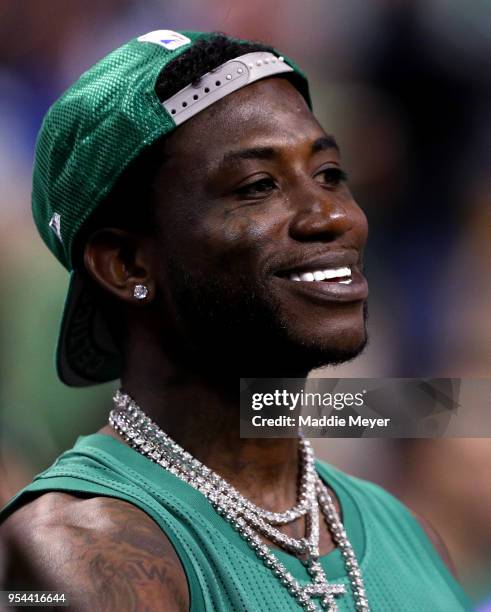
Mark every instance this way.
x=251 y=521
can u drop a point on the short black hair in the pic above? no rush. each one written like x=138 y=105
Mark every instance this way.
x=206 y=54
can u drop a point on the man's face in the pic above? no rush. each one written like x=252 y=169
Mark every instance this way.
x=250 y=199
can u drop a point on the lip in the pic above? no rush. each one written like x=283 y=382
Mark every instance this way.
x=356 y=291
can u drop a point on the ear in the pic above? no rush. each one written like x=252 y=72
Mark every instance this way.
x=118 y=261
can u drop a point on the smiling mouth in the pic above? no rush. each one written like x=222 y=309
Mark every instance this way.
x=329 y=275
x=318 y=282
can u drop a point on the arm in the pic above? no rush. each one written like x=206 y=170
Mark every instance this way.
x=104 y=553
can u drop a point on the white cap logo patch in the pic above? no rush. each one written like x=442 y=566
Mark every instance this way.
x=55 y=225
x=165 y=38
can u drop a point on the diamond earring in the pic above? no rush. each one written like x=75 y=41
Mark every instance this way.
x=140 y=292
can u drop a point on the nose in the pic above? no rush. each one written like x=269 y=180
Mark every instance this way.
x=324 y=216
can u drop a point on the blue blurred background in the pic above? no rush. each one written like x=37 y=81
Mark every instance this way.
x=405 y=87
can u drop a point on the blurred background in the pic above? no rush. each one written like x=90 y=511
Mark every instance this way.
x=405 y=87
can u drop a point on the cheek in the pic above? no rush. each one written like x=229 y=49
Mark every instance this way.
x=242 y=227
x=238 y=239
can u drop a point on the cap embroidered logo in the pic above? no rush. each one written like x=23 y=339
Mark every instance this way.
x=55 y=225
x=166 y=38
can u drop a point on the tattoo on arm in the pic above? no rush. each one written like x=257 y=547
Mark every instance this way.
x=122 y=561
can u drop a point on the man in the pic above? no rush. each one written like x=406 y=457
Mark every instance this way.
x=211 y=234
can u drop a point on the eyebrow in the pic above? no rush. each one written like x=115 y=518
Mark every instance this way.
x=252 y=153
x=323 y=143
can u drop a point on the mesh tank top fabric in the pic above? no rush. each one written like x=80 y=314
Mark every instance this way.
x=401 y=569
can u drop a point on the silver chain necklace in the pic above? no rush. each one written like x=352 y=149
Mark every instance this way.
x=251 y=521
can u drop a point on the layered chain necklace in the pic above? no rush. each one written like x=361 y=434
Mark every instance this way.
x=251 y=521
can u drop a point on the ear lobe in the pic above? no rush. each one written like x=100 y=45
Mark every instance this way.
x=118 y=261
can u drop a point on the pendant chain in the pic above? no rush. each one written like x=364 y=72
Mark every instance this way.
x=251 y=521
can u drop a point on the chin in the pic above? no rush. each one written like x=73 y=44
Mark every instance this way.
x=332 y=352
x=338 y=354
x=294 y=356
x=330 y=340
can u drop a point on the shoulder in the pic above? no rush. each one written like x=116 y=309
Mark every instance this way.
x=104 y=552
x=437 y=541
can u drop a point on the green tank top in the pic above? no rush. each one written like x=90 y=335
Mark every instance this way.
x=401 y=569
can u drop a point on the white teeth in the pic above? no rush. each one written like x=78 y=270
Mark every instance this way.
x=320 y=275
x=307 y=276
x=337 y=272
x=346 y=282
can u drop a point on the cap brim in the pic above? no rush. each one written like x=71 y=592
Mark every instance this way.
x=86 y=354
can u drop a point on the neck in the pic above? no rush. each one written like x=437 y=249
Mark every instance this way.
x=202 y=416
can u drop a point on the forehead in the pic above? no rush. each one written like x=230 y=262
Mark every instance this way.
x=270 y=112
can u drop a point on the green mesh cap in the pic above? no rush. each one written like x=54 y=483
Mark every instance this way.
x=88 y=138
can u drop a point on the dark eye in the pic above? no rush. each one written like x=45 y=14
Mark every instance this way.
x=331 y=177
x=259 y=188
